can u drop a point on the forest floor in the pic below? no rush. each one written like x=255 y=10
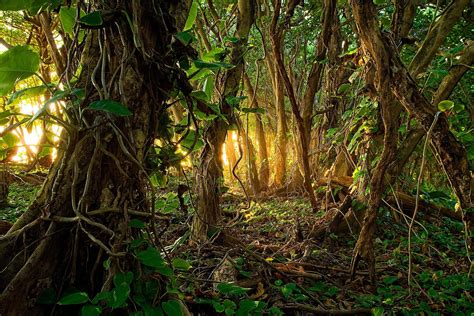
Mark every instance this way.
x=263 y=263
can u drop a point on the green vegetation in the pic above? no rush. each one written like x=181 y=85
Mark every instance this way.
x=236 y=157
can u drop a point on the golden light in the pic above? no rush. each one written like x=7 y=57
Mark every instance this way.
x=224 y=155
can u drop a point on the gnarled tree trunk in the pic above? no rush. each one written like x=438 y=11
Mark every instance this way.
x=80 y=217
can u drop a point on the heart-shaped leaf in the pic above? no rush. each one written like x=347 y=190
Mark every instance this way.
x=17 y=63
x=110 y=106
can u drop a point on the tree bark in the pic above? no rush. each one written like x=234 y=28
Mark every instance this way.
x=209 y=173
x=101 y=167
x=264 y=170
x=391 y=72
x=277 y=31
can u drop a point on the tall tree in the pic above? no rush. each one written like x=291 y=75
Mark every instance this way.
x=392 y=75
x=101 y=165
x=209 y=173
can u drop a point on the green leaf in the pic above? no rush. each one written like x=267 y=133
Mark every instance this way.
x=246 y=306
x=445 y=105
x=151 y=257
x=74 y=298
x=379 y=2
x=181 y=264
x=253 y=110
x=212 y=66
x=102 y=296
x=67 y=16
x=188 y=141
x=343 y=88
x=126 y=278
x=172 y=308
x=185 y=37
x=91 y=310
x=377 y=311
x=218 y=307
x=208 y=87
x=17 y=5
x=458 y=107
x=231 y=39
x=390 y=279
x=92 y=19
x=28 y=93
x=231 y=289
x=199 y=95
x=17 y=63
x=136 y=223
x=106 y=264
x=119 y=295
x=192 y=16
x=10 y=139
x=165 y=270
x=234 y=101
x=110 y=106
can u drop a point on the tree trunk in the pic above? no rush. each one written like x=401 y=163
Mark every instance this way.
x=281 y=145
x=391 y=71
x=264 y=171
x=101 y=167
x=277 y=31
x=209 y=173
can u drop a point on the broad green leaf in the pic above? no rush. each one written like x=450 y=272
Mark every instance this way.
x=343 y=88
x=102 y=296
x=212 y=66
x=67 y=16
x=247 y=306
x=126 y=278
x=218 y=307
x=92 y=19
x=17 y=5
x=190 y=142
x=379 y=2
x=181 y=264
x=110 y=106
x=151 y=257
x=165 y=270
x=192 y=16
x=136 y=223
x=10 y=139
x=119 y=295
x=172 y=308
x=458 y=107
x=91 y=310
x=445 y=105
x=234 y=101
x=208 y=87
x=17 y=63
x=199 y=95
x=28 y=93
x=74 y=298
x=185 y=37
x=231 y=39
x=6 y=114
